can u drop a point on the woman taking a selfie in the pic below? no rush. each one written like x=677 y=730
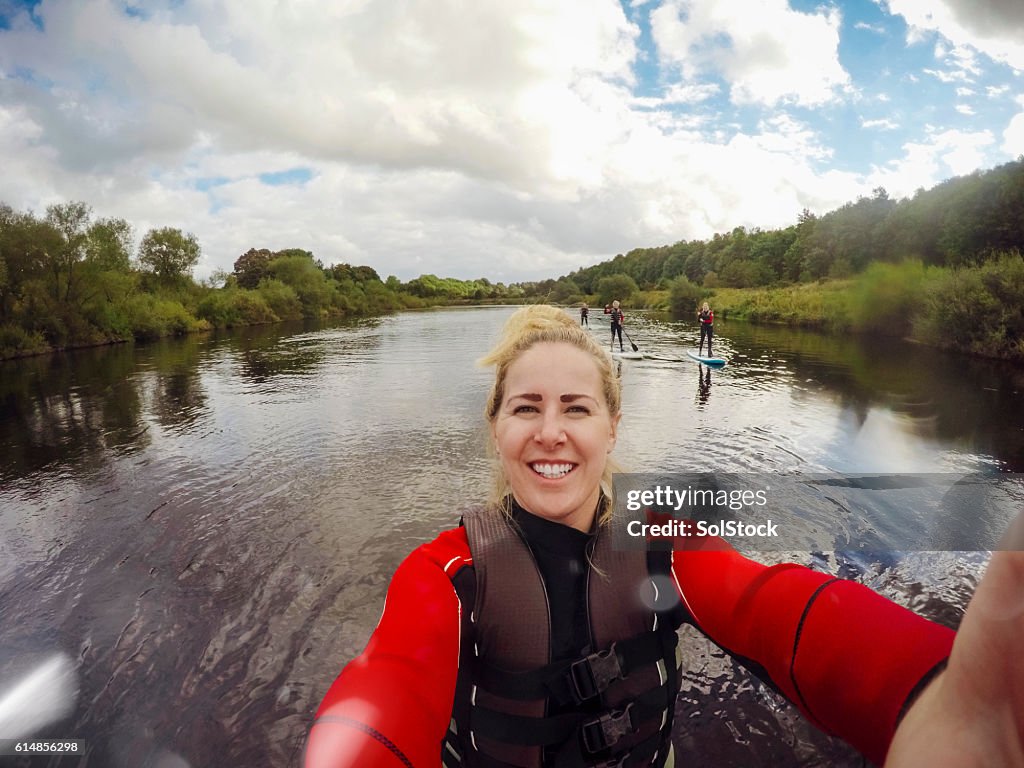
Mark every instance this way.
x=523 y=638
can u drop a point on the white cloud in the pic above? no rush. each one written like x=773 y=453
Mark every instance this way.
x=963 y=91
x=139 y=110
x=884 y=124
x=760 y=61
x=925 y=163
x=995 y=91
x=486 y=139
x=453 y=86
x=1013 y=136
x=682 y=93
x=965 y=59
x=994 y=27
x=876 y=28
x=964 y=109
x=678 y=93
x=957 y=76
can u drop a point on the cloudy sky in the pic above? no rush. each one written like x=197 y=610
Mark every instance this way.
x=509 y=139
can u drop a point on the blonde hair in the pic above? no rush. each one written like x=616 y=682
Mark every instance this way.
x=539 y=324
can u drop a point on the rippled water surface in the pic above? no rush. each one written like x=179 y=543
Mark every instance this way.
x=207 y=526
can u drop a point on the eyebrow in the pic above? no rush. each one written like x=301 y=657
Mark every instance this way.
x=567 y=398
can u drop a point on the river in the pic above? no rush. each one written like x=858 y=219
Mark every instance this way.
x=206 y=526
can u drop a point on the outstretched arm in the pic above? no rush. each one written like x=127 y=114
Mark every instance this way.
x=847 y=657
x=390 y=707
x=973 y=714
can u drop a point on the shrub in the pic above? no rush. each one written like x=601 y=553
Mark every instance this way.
x=281 y=298
x=977 y=309
x=886 y=298
x=151 y=317
x=235 y=306
x=685 y=297
x=17 y=342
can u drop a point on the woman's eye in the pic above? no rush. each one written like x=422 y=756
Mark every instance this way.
x=525 y=409
x=577 y=409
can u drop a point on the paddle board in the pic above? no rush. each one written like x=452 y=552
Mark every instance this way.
x=706 y=360
x=629 y=355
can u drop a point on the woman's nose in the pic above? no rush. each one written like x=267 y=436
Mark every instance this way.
x=551 y=430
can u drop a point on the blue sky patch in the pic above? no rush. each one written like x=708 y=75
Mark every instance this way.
x=11 y=8
x=209 y=182
x=296 y=176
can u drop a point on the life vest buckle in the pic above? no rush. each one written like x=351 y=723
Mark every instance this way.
x=591 y=675
x=605 y=731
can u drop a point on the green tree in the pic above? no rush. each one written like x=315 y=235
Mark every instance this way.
x=366 y=275
x=26 y=245
x=251 y=267
x=71 y=221
x=684 y=297
x=168 y=253
x=616 y=287
x=564 y=290
x=109 y=245
x=300 y=271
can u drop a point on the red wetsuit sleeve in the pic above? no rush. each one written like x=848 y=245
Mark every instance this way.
x=392 y=704
x=847 y=657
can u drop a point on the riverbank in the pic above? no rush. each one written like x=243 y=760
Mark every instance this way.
x=17 y=343
x=975 y=309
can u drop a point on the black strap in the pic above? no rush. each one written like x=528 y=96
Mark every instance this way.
x=601 y=730
x=572 y=755
x=521 y=729
x=581 y=679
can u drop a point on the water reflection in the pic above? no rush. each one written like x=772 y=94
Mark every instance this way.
x=882 y=387
x=703 y=384
x=65 y=411
x=207 y=525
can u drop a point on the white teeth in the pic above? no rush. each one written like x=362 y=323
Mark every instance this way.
x=552 y=471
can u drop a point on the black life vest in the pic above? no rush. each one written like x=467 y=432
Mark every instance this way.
x=623 y=694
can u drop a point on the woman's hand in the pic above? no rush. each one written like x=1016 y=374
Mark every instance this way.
x=973 y=713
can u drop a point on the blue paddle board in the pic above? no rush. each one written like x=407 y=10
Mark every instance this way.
x=716 y=361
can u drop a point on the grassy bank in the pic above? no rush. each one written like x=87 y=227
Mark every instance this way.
x=815 y=305
x=976 y=309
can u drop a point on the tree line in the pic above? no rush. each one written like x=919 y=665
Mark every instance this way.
x=943 y=266
x=939 y=257
x=68 y=278
x=962 y=222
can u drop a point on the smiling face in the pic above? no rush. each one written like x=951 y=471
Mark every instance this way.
x=553 y=432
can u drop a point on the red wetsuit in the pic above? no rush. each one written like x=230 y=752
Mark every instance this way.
x=847 y=657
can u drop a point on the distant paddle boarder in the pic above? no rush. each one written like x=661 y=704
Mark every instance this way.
x=585 y=315
x=707 y=326
x=617 y=319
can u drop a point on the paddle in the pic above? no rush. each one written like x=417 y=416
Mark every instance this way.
x=635 y=347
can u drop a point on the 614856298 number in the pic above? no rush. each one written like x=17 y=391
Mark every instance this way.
x=15 y=747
